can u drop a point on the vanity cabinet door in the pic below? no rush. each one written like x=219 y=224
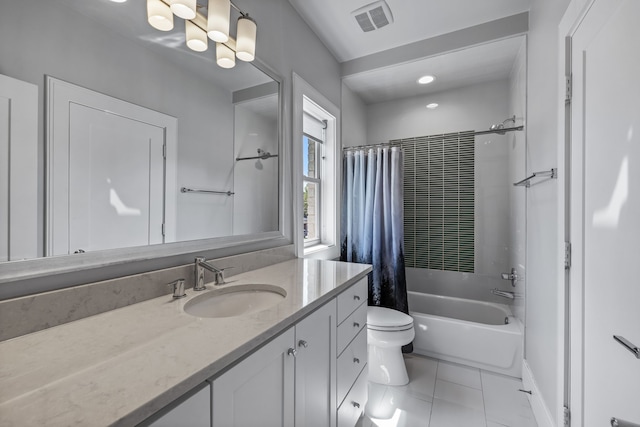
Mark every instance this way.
x=194 y=411
x=315 y=400
x=259 y=391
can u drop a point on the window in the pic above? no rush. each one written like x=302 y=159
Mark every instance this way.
x=317 y=170
x=313 y=140
x=439 y=206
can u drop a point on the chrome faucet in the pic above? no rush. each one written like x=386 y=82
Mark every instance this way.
x=504 y=294
x=200 y=265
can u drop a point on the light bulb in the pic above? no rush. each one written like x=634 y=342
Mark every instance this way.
x=218 y=20
x=225 y=57
x=246 y=41
x=196 y=37
x=185 y=9
x=159 y=15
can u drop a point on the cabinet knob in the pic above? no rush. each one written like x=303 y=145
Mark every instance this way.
x=356 y=297
x=292 y=352
x=356 y=324
x=303 y=343
x=356 y=360
x=355 y=404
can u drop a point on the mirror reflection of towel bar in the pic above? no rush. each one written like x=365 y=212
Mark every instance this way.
x=195 y=190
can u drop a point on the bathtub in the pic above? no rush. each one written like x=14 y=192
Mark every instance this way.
x=469 y=332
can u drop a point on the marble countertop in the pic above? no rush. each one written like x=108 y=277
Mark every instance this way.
x=119 y=367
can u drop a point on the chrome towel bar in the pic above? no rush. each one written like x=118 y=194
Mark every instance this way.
x=195 y=190
x=551 y=174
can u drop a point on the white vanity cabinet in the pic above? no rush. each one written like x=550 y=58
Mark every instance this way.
x=352 y=353
x=290 y=381
x=194 y=411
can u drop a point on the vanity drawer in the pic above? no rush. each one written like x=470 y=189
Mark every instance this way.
x=353 y=405
x=351 y=326
x=350 y=364
x=351 y=299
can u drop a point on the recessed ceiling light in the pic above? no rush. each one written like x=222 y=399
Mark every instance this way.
x=432 y=106
x=119 y=1
x=426 y=80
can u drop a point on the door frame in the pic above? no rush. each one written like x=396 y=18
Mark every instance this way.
x=59 y=96
x=571 y=192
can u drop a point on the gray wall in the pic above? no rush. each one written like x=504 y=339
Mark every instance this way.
x=516 y=160
x=544 y=321
x=354 y=119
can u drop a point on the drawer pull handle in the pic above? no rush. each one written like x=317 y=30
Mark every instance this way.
x=303 y=343
x=356 y=324
x=356 y=297
x=355 y=404
x=356 y=360
x=292 y=352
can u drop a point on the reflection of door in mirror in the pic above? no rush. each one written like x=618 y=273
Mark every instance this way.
x=107 y=172
x=18 y=160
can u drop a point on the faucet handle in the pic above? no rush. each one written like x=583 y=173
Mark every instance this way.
x=178 y=289
x=219 y=275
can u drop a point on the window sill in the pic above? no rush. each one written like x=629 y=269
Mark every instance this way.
x=321 y=251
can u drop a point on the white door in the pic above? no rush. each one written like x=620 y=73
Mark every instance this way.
x=109 y=184
x=605 y=219
x=18 y=169
x=259 y=390
x=315 y=401
x=116 y=178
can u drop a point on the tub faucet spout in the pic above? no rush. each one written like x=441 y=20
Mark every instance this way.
x=504 y=294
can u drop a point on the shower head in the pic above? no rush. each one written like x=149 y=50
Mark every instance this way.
x=498 y=127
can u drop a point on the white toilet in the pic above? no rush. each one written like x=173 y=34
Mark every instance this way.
x=387 y=331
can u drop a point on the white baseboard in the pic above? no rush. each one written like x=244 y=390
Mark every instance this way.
x=538 y=405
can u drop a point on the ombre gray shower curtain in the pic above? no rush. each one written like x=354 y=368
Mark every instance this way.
x=372 y=221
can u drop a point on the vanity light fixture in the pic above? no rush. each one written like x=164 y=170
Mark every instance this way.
x=432 y=106
x=214 y=26
x=159 y=15
x=426 y=80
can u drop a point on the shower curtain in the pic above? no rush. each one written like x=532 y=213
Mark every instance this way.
x=372 y=221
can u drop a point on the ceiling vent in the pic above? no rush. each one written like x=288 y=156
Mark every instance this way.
x=373 y=16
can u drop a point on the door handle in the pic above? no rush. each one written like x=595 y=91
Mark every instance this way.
x=628 y=345
x=615 y=422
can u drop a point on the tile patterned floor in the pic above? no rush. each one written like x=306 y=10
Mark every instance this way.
x=443 y=394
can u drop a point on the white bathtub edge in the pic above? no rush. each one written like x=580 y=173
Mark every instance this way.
x=539 y=407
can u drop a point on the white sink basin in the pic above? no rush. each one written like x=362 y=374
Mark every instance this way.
x=235 y=301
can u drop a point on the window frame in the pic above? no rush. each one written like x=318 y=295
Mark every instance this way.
x=307 y=99
x=317 y=180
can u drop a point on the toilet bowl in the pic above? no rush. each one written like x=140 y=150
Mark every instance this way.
x=387 y=331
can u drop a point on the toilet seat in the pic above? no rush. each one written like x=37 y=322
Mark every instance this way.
x=387 y=319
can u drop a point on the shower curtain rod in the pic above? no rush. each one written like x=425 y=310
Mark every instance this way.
x=399 y=144
x=384 y=144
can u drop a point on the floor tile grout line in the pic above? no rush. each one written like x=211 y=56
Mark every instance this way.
x=484 y=405
x=433 y=398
